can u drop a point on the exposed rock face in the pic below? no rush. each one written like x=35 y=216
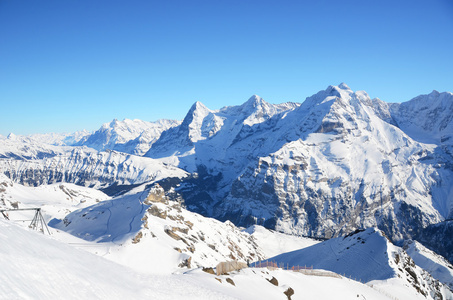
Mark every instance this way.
x=186 y=263
x=289 y=292
x=209 y=270
x=274 y=281
x=156 y=195
x=230 y=281
x=137 y=237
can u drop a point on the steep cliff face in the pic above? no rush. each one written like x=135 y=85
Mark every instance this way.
x=354 y=170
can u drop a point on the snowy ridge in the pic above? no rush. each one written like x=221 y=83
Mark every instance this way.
x=369 y=256
x=22 y=147
x=435 y=264
x=55 y=139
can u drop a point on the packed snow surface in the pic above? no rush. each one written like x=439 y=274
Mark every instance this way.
x=273 y=243
x=36 y=266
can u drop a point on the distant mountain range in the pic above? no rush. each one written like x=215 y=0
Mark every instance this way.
x=337 y=162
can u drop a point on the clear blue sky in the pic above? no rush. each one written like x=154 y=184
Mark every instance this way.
x=68 y=65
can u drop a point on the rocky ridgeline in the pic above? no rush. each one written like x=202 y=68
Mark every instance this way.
x=150 y=220
x=227 y=242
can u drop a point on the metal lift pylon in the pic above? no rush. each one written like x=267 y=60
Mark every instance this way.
x=37 y=223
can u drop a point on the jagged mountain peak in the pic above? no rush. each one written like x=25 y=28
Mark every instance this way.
x=327 y=97
x=196 y=109
x=254 y=101
x=125 y=124
x=344 y=86
x=341 y=90
x=114 y=122
x=198 y=105
x=245 y=109
x=196 y=112
x=193 y=121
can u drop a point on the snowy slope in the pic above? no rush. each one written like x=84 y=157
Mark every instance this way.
x=38 y=267
x=273 y=243
x=154 y=237
x=369 y=256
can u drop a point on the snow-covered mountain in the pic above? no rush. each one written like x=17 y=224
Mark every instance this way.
x=129 y=136
x=85 y=166
x=335 y=163
x=338 y=162
x=426 y=118
x=56 y=139
x=204 y=130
